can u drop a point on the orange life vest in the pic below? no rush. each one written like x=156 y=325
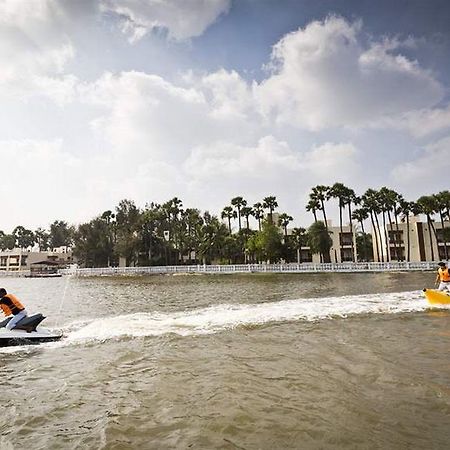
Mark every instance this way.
x=10 y=304
x=444 y=275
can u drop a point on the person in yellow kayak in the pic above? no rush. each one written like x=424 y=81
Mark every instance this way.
x=443 y=277
x=11 y=305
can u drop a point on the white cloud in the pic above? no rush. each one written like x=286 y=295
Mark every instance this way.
x=420 y=123
x=229 y=94
x=270 y=167
x=205 y=137
x=183 y=19
x=324 y=76
x=270 y=158
x=34 y=51
x=428 y=171
x=39 y=174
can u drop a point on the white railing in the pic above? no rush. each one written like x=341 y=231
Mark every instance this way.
x=256 y=268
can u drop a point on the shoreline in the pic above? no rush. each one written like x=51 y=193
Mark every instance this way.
x=201 y=269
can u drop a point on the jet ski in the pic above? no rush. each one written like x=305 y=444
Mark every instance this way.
x=437 y=297
x=26 y=332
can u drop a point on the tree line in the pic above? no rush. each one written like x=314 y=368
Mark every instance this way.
x=168 y=233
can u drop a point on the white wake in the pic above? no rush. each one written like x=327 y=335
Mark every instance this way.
x=223 y=317
x=228 y=316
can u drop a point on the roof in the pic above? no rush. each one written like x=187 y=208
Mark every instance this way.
x=47 y=262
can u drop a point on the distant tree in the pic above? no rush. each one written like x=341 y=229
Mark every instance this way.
x=318 y=195
x=258 y=213
x=338 y=191
x=442 y=207
x=283 y=221
x=24 y=238
x=128 y=225
x=405 y=209
x=246 y=212
x=228 y=213
x=266 y=244
x=313 y=206
x=319 y=240
x=212 y=239
x=61 y=234
x=360 y=215
x=92 y=244
x=42 y=238
x=370 y=202
x=428 y=206
x=270 y=203
x=299 y=240
x=7 y=241
x=364 y=247
x=239 y=203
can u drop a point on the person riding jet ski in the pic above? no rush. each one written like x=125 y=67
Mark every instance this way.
x=11 y=305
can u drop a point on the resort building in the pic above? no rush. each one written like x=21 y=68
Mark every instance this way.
x=416 y=243
x=19 y=259
x=343 y=247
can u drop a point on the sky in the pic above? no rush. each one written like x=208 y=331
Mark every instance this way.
x=206 y=100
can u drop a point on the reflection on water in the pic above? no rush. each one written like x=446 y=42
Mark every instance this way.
x=248 y=361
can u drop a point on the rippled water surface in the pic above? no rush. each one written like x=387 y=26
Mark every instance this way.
x=319 y=361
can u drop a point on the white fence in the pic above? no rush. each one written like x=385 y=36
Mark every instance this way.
x=257 y=268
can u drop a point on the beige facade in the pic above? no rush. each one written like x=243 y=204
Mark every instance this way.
x=397 y=244
x=343 y=247
x=18 y=259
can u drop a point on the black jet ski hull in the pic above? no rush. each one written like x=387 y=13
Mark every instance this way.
x=26 y=332
x=34 y=337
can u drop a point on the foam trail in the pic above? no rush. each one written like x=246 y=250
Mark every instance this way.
x=227 y=316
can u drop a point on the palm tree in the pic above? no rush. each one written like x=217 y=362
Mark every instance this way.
x=258 y=213
x=246 y=212
x=442 y=203
x=228 y=213
x=406 y=208
x=388 y=201
x=427 y=205
x=212 y=239
x=319 y=193
x=370 y=202
x=383 y=201
x=238 y=202
x=270 y=203
x=319 y=240
x=338 y=191
x=299 y=239
x=349 y=198
x=396 y=199
x=360 y=215
x=283 y=221
x=313 y=206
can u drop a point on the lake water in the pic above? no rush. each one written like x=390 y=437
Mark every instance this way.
x=310 y=361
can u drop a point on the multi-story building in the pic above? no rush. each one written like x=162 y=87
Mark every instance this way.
x=343 y=246
x=419 y=242
x=19 y=259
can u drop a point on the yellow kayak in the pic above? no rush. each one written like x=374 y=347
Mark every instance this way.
x=437 y=297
